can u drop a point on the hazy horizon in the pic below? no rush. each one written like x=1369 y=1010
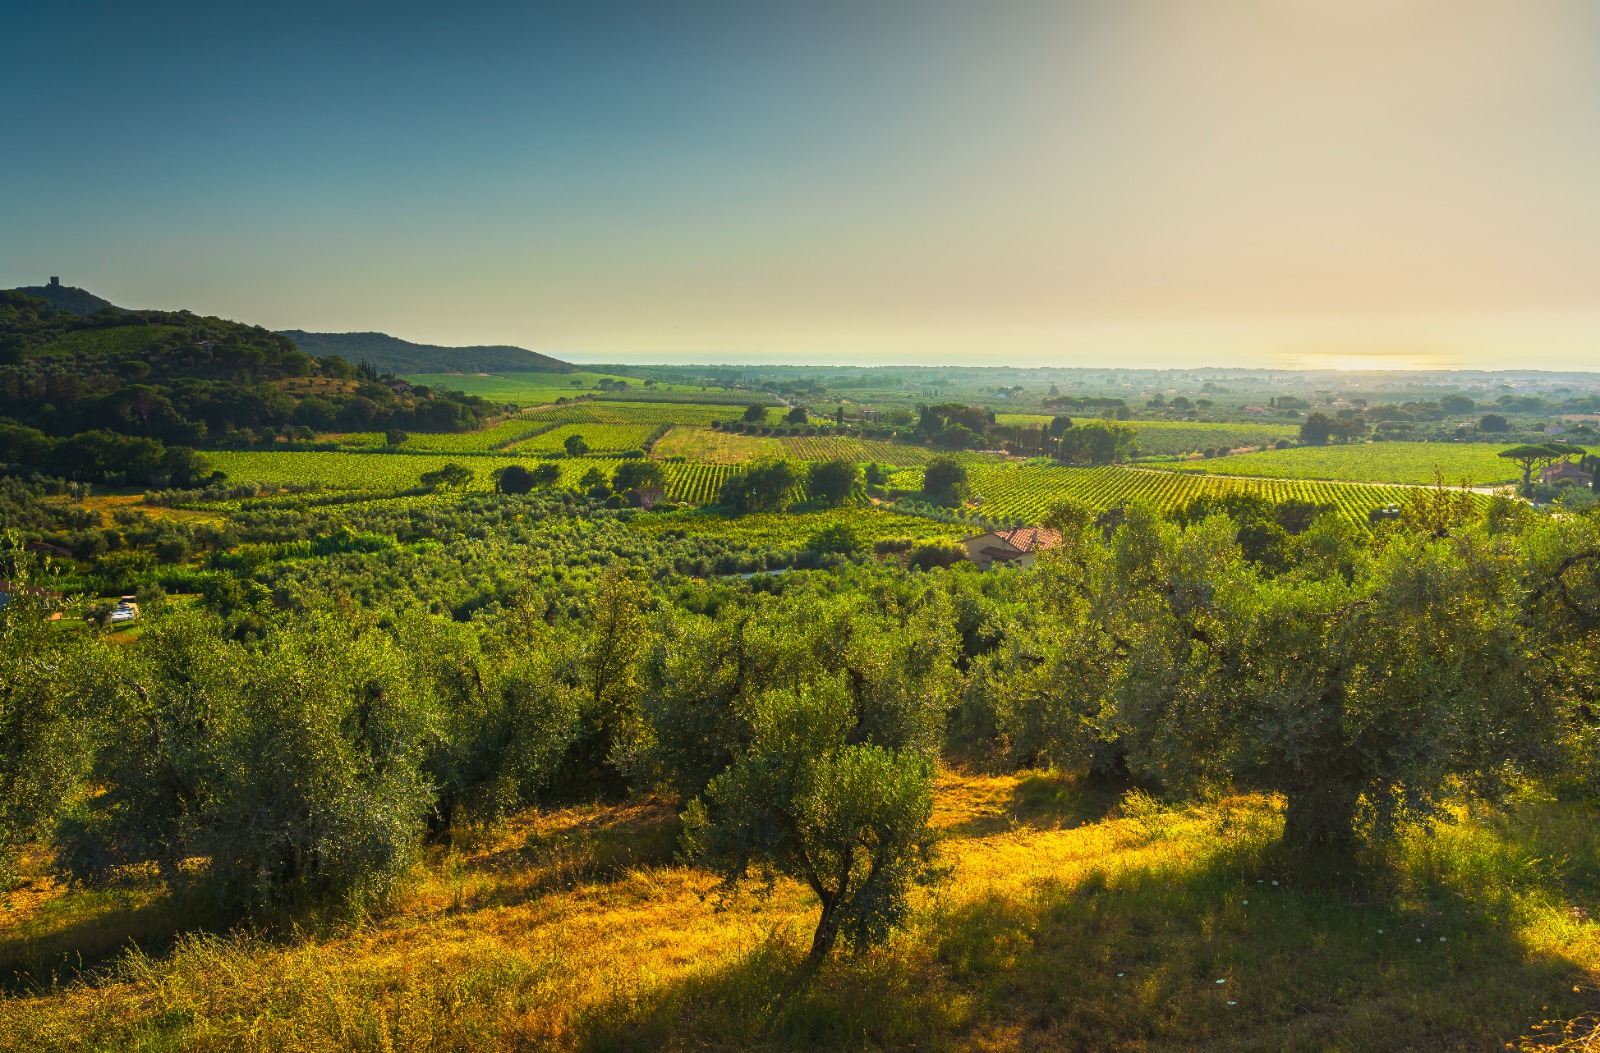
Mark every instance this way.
x=1157 y=183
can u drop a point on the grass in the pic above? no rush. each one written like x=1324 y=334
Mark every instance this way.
x=1379 y=462
x=1072 y=917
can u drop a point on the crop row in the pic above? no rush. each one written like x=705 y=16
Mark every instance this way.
x=650 y=413
x=1026 y=493
x=1478 y=464
x=828 y=447
x=687 y=482
x=118 y=340
x=498 y=437
x=602 y=437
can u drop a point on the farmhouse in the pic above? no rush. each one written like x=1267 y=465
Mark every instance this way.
x=1564 y=472
x=1020 y=546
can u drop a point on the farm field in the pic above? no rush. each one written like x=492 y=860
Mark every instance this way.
x=827 y=447
x=1165 y=438
x=1024 y=492
x=525 y=389
x=602 y=438
x=120 y=340
x=496 y=437
x=694 y=483
x=620 y=412
x=715 y=447
x=1476 y=464
x=1008 y=492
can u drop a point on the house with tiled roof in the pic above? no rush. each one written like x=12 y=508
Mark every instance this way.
x=1564 y=472
x=1019 y=546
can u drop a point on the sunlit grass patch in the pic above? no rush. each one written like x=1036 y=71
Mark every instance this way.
x=1074 y=914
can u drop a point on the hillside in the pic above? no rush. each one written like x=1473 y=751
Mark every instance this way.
x=402 y=356
x=114 y=380
x=67 y=298
x=1068 y=920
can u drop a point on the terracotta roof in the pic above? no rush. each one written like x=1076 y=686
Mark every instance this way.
x=1564 y=470
x=1029 y=539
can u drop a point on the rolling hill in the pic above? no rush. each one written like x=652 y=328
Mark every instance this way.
x=67 y=298
x=401 y=356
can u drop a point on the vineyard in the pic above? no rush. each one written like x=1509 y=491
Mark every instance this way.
x=1478 y=464
x=688 y=482
x=1168 y=438
x=601 y=437
x=696 y=483
x=663 y=412
x=828 y=447
x=1177 y=437
x=117 y=341
x=715 y=447
x=1025 y=493
x=498 y=437
x=524 y=389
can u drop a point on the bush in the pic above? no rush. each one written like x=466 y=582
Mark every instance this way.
x=932 y=554
x=944 y=480
x=835 y=482
x=838 y=538
x=295 y=768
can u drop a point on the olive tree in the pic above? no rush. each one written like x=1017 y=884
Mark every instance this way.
x=292 y=767
x=1361 y=684
x=40 y=718
x=702 y=674
x=506 y=714
x=848 y=819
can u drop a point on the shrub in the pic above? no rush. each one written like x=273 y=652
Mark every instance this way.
x=945 y=480
x=835 y=482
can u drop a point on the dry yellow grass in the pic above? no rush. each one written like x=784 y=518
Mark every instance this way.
x=1070 y=918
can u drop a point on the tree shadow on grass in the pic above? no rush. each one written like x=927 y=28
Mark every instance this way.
x=597 y=846
x=1220 y=950
x=81 y=931
x=1042 y=801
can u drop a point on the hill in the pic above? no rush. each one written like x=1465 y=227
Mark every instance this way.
x=402 y=356
x=93 y=397
x=67 y=298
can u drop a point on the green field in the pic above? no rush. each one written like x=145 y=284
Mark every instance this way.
x=715 y=447
x=828 y=447
x=602 y=438
x=529 y=389
x=120 y=340
x=1007 y=491
x=497 y=437
x=1476 y=464
x=695 y=483
x=1164 y=438
x=1020 y=492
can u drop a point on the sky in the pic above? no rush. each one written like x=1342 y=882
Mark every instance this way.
x=1301 y=183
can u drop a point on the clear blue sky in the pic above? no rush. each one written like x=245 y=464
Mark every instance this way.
x=1360 y=182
